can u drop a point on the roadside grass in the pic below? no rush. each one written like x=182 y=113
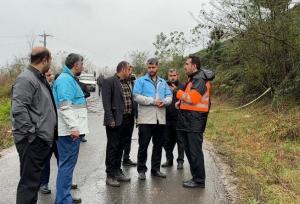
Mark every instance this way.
x=4 y=90
x=6 y=139
x=263 y=149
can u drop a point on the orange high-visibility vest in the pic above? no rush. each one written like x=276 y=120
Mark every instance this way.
x=186 y=100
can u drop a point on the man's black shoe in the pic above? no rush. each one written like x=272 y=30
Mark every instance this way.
x=193 y=184
x=180 y=165
x=158 y=174
x=128 y=163
x=45 y=189
x=187 y=181
x=112 y=182
x=74 y=186
x=167 y=164
x=142 y=176
x=76 y=200
x=121 y=177
x=83 y=140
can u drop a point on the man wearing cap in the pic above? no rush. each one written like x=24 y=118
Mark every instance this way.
x=152 y=94
x=34 y=123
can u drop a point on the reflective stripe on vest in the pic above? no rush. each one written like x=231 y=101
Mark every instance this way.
x=202 y=106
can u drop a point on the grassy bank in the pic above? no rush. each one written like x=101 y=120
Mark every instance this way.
x=263 y=149
x=6 y=139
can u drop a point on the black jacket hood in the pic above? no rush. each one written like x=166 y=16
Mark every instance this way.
x=205 y=74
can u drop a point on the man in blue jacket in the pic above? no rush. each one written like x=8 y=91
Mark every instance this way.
x=152 y=94
x=72 y=122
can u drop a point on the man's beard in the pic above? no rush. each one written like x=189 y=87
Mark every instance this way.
x=46 y=69
x=152 y=74
x=175 y=82
x=78 y=74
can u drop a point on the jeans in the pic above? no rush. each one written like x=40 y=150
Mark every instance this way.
x=68 y=150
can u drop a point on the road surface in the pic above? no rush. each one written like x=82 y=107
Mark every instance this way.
x=90 y=175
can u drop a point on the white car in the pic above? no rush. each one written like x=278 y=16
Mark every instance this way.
x=89 y=80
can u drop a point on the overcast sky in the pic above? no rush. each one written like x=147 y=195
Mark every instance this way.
x=103 y=30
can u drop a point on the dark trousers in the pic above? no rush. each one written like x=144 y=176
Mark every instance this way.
x=46 y=170
x=146 y=131
x=127 y=146
x=116 y=139
x=32 y=158
x=171 y=138
x=193 y=147
x=193 y=150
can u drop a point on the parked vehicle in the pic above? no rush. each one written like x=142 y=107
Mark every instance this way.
x=89 y=80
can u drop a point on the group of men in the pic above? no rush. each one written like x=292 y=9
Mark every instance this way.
x=166 y=111
x=49 y=119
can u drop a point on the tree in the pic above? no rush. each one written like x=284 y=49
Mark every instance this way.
x=171 y=46
x=138 y=60
x=265 y=37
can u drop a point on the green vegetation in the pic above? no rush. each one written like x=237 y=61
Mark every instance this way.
x=263 y=149
x=7 y=76
x=6 y=139
x=4 y=110
x=263 y=53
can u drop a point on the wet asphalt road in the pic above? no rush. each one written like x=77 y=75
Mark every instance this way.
x=90 y=175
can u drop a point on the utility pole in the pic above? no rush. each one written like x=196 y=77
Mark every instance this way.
x=44 y=36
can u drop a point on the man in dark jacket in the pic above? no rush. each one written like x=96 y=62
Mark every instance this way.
x=194 y=104
x=34 y=121
x=118 y=114
x=171 y=137
x=100 y=83
x=45 y=176
x=126 y=155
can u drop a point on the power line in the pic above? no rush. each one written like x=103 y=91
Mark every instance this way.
x=45 y=38
x=13 y=36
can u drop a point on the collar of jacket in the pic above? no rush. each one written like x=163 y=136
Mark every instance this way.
x=201 y=74
x=68 y=71
x=121 y=80
x=36 y=72
x=148 y=77
x=175 y=82
x=194 y=75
